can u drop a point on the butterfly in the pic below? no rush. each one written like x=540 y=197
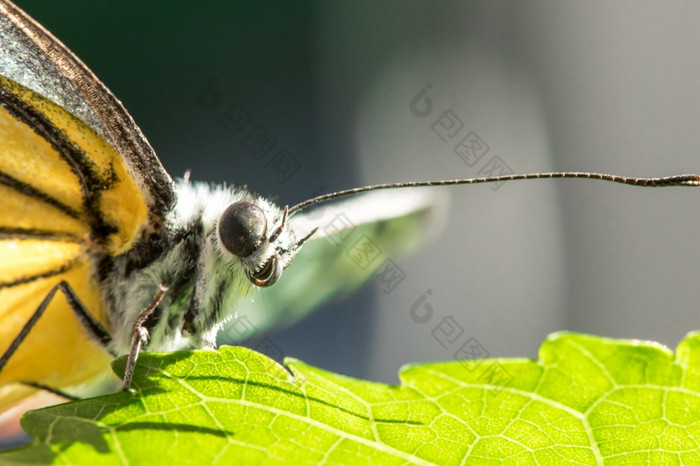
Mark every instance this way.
x=93 y=228
x=103 y=253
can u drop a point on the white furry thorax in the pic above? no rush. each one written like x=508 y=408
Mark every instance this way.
x=198 y=270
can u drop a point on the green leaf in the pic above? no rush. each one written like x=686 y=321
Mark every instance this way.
x=588 y=400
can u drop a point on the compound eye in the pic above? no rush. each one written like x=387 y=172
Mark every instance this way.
x=242 y=228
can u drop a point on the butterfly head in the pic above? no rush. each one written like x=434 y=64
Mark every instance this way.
x=264 y=246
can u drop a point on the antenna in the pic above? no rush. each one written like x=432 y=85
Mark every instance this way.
x=675 y=180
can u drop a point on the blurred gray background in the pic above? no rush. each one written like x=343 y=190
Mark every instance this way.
x=594 y=86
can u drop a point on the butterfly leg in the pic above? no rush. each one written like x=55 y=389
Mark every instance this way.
x=93 y=327
x=140 y=336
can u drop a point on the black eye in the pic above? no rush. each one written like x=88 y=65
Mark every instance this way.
x=242 y=228
x=268 y=274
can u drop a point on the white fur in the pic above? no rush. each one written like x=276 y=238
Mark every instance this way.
x=128 y=296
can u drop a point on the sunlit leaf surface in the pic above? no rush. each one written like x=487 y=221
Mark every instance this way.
x=588 y=400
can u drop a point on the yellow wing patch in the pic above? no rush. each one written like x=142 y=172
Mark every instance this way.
x=20 y=212
x=47 y=153
x=27 y=258
x=58 y=352
x=27 y=157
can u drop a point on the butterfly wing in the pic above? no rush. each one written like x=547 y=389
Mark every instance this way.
x=34 y=58
x=356 y=241
x=78 y=181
